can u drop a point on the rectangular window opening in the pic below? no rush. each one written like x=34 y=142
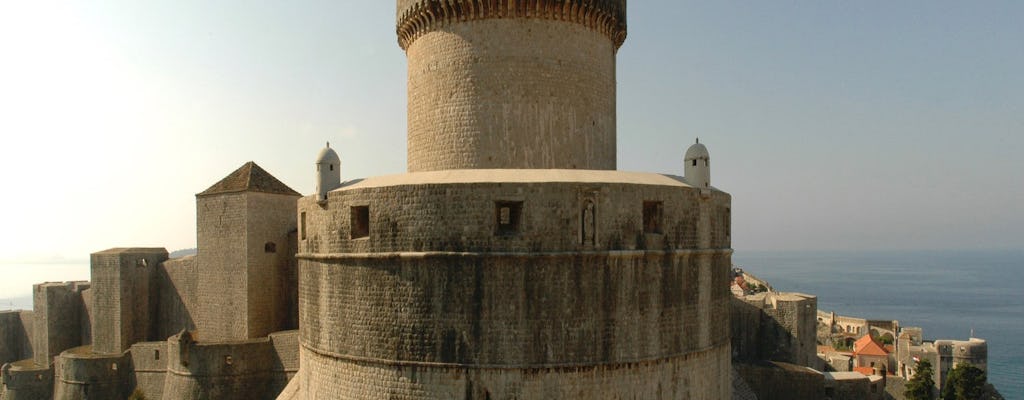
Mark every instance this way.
x=302 y=225
x=728 y=222
x=360 y=221
x=508 y=217
x=652 y=216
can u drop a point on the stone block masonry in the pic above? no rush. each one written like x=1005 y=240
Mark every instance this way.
x=515 y=283
x=125 y=297
x=245 y=264
x=516 y=93
x=178 y=282
x=24 y=380
x=775 y=326
x=57 y=324
x=15 y=336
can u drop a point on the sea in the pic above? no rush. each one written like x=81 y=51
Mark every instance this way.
x=950 y=294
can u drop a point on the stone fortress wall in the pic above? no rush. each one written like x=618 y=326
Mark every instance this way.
x=456 y=211
x=15 y=335
x=633 y=267
x=58 y=319
x=109 y=337
x=775 y=326
x=857 y=326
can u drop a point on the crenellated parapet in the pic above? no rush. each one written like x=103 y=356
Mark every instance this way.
x=416 y=17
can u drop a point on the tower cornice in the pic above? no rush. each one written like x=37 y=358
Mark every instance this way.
x=417 y=17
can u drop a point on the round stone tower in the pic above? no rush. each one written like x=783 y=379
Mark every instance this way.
x=511 y=84
x=513 y=260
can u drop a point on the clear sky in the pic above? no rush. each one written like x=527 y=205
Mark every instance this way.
x=834 y=124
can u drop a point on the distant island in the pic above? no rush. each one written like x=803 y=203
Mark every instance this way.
x=183 y=253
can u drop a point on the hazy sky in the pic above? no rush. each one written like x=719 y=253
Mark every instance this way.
x=834 y=124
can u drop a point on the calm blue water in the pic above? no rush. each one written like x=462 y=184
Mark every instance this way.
x=947 y=293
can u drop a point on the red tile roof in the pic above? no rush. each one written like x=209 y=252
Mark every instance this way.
x=868 y=347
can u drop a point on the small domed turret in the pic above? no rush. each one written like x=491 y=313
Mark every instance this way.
x=328 y=172
x=697 y=171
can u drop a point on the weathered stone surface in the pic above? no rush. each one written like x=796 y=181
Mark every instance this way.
x=57 y=315
x=244 y=263
x=516 y=93
x=15 y=336
x=125 y=297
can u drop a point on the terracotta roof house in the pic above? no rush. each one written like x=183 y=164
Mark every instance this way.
x=870 y=354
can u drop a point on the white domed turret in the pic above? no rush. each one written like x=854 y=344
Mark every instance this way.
x=697 y=171
x=328 y=172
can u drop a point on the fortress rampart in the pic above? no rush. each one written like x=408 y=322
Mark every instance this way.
x=242 y=370
x=15 y=336
x=417 y=17
x=456 y=211
x=59 y=317
x=125 y=295
x=775 y=326
x=178 y=296
x=24 y=380
x=414 y=285
x=81 y=374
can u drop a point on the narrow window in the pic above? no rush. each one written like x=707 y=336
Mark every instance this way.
x=156 y=354
x=652 y=216
x=360 y=221
x=728 y=222
x=694 y=162
x=270 y=247
x=113 y=366
x=332 y=167
x=507 y=217
x=302 y=225
x=141 y=263
x=228 y=360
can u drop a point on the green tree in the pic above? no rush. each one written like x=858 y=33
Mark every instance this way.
x=964 y=382
x=921 y=385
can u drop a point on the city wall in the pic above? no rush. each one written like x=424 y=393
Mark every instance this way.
x=242 y=370
x=149 y=368
x=456 y=211
x=178 y=282
x=81 y=374
x=693 y=376
x=24 y=380
x=15 y=335
x=782 y=381
x=59 y=313
x=615 y=313
x=126 y=297
x=775 y=326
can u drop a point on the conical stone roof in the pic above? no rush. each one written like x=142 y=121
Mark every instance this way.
x=249 y=178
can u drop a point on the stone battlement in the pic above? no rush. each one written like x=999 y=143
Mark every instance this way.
x=416 y=17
